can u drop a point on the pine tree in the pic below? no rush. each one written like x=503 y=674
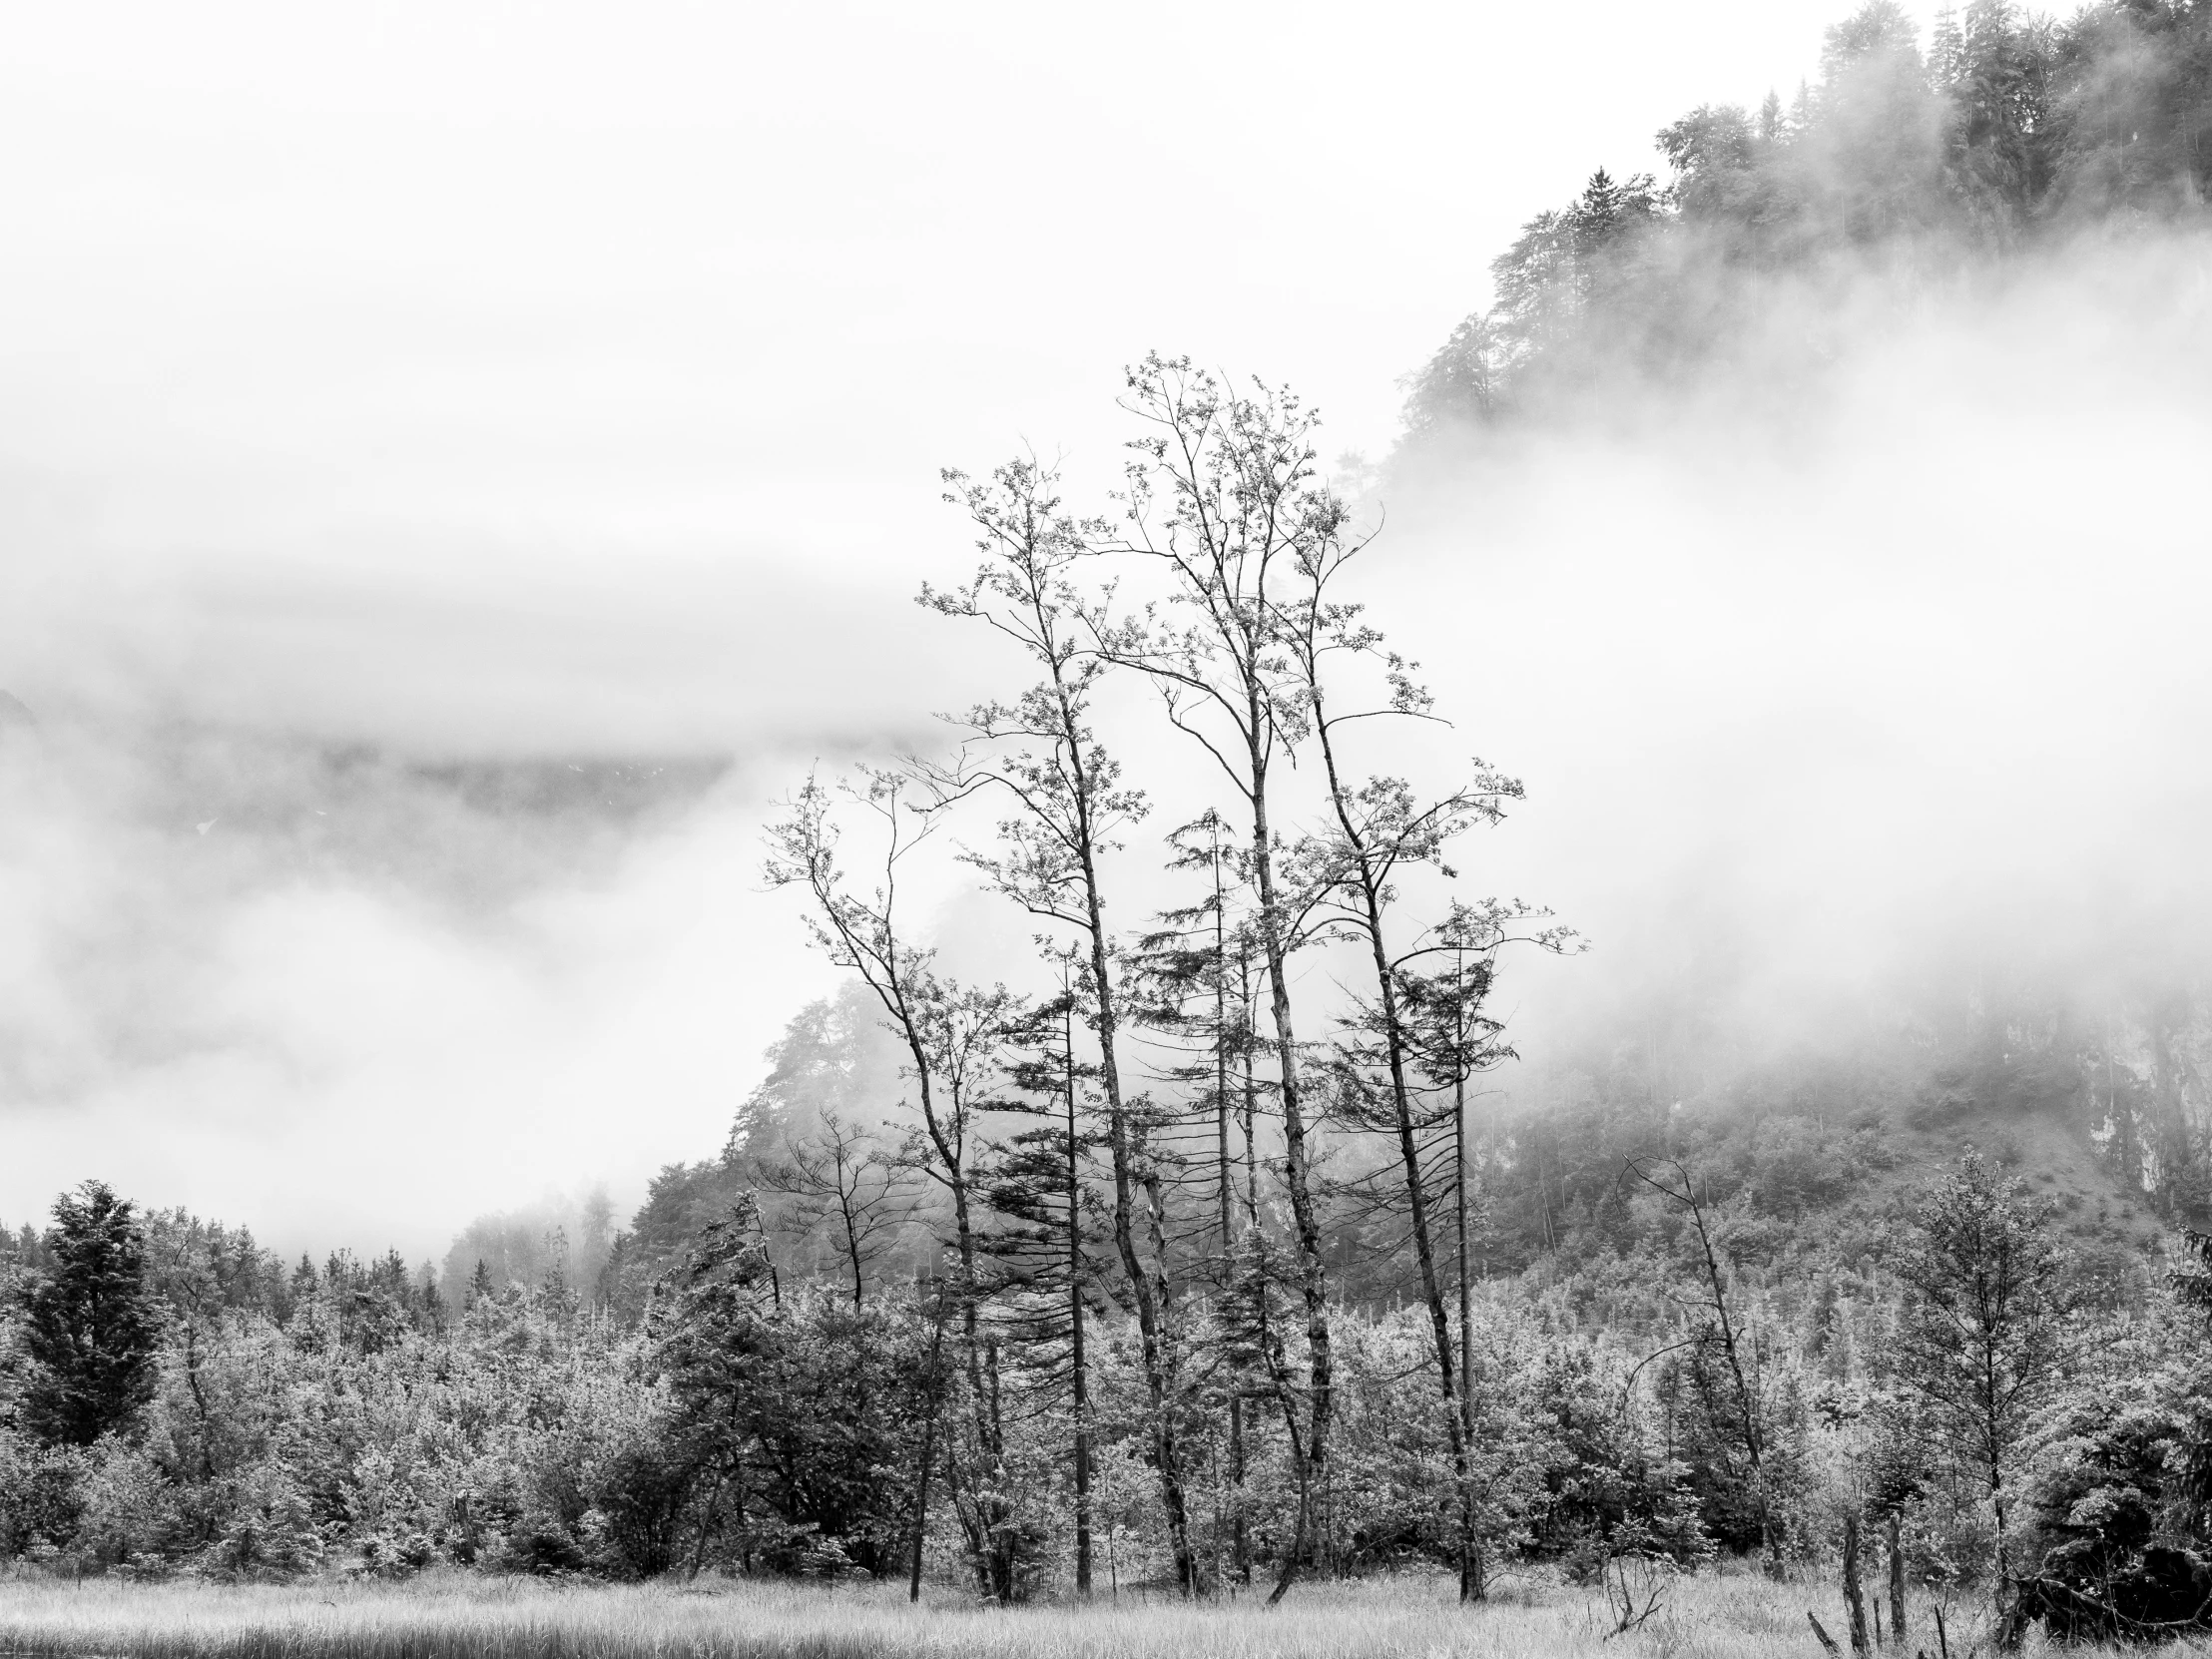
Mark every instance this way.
x=1046 y=1252
x=432 y=1301
x=1988 y=1330
x=91 y=1322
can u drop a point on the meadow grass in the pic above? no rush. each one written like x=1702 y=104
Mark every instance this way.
x=457 y=1616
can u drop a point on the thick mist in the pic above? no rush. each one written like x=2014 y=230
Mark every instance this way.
x=1820 y=719
x=356 y=897
x=1845 y=706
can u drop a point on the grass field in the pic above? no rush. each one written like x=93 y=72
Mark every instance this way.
x=460 y=1617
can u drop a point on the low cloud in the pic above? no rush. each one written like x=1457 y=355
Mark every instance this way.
x=1885 y=689
x=351 y=897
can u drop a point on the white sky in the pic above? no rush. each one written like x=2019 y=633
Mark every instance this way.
x=742 y=278
x=495 y=380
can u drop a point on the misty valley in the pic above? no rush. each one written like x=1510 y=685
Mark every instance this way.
x=1214 y=1208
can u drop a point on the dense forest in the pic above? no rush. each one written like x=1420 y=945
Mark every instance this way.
x=1211 y=1254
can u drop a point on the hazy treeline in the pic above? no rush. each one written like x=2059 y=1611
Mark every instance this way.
x=1898 y=170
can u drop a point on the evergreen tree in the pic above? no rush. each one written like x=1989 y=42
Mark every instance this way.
x=1047 y=1248
x=1988 y=1328
x=91 y=1322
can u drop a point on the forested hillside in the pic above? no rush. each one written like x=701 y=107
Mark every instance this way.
x=1907 y=169
x=1224 y=1239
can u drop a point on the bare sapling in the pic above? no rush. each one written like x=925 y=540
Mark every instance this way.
x=952 y=1035
x=842 y=1177
x=1724 y=1333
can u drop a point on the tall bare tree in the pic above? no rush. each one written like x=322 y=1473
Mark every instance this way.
x=1380 y=830
x=1043 y=752
x=1226 y=499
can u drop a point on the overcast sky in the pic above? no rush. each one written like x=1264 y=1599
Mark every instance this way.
x=487 y=382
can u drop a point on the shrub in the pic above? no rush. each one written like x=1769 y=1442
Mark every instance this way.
x=42 y=1494
x=272 y=1532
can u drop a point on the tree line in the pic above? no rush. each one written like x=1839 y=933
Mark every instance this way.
x=1980 y=1427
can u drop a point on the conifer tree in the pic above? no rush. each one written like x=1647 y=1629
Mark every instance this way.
x=91 y=1324
x=1198 y=980
x=1047 y=1250
x=1988 y=1332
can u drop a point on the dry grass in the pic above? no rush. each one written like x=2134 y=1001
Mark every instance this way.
x=460 y=1617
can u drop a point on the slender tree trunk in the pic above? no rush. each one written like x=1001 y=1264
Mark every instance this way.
x=997 y=1512
x=928 y=1452
x=1250 y=1114
x=1896 y=1578
x=1305 y=1220
x=1474 y=1578
x=949 y=1149
x=2008 y=1628
x=851 y=1241
x=706 y=1522
x=1076 y=1362
x=1240 y=1552
x=1149 y=1289
x=1409 y=1150
x=988 y=1505
x=1854 y=1604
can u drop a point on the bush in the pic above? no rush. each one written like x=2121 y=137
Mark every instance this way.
x=272 y=1532
x=544 y=1547
x=42 y=1494
x=398 y=1554
x=128 y=1510
x=642 y=1490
